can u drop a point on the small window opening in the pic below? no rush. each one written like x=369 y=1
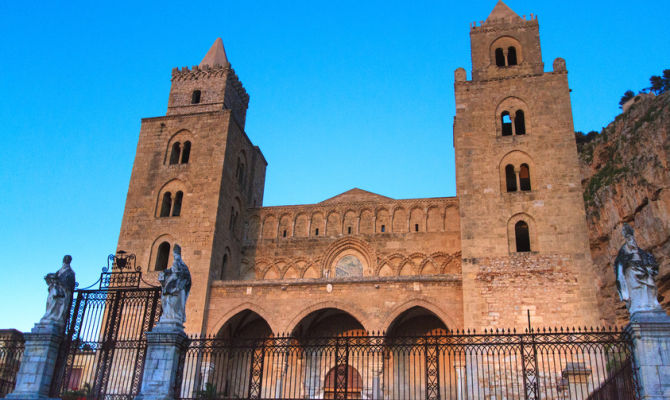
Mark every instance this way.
x=500 y=57
x=284 y=233
x=239 y=172
x=166 y=204
x=349 y=230
x=186 y=153
x=231 y=220
x=524 y=177
x=519 y=123
x=174 y=156
x=162 y=256
x=176 y=208
x=511 y=56
x=510 y=178
x=223 y=265
x=506 y=121
x=416 y=227
x=522 y=237
x=316 y=232
x=195 y=97
x=383 y=228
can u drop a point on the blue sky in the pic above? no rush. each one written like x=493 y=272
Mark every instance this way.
x=343 y=94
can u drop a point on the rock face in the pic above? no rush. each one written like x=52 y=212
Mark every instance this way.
x=625 y=177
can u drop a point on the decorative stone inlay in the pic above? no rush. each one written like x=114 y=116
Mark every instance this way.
x=349 y=266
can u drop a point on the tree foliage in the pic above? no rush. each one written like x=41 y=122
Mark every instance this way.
x=581 y=137
x=629 y=94
x=660 y=84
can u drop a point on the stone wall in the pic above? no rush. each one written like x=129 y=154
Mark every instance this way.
x=389 y=237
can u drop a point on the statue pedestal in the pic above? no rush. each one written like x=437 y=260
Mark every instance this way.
x=165 y=345
x=650 y=331
x=39 y=361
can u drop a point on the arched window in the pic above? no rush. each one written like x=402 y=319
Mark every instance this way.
x=524 y=177
x=522 y=237
x=195 y=97
x=239 y=172
x=500 y=57
x=176 y=208
x=506 y=123
x=166 y=204
x=224 y=264
x=510 y=178
x=511 y=56
x=162 y=256
x=174 y=156
x=519 y=123
x=186 y=153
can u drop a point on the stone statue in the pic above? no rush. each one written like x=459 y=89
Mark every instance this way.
x=176 y=284
x=635 y=271
x=61 y=286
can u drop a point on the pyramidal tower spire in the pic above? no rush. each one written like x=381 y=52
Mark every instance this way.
x=502 y=12
x=216 y=55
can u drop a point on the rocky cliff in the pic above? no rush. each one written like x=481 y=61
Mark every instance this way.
x=625 y=177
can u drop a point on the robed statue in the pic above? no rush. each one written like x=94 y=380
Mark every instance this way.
x=61 y=286
x=176 y=284
x=635 y=270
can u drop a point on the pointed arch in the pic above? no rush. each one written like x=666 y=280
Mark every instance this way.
x=522 y=234
x=351 y=309
x=499 y=52
x=182 y=156
x=438 y=311
x=221 y=321
x=513 y=117
x=155 y=250
x=352 y=245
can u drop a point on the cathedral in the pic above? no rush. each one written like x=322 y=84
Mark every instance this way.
x=511 y=249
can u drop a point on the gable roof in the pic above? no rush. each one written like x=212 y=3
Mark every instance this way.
x=355 y=195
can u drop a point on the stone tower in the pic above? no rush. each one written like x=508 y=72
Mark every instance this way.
x=195 y=174
x=523 y=226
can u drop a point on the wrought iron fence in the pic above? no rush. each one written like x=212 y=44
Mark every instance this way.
x=105 y=344
x=547 y=364
x=11 y=352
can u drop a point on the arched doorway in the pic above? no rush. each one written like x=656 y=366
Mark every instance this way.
x=414 y=359
x=234 y=365
x=327 y=322
x=245 y=324
x=344 y=376
x=325 y=361
x=416 y=321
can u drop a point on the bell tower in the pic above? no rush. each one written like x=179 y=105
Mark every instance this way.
x=523 y=226
x=195 y=174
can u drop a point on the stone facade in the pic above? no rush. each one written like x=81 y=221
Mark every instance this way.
x=362 y=261
x=517 y=168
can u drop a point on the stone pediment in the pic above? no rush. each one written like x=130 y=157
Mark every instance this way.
x=355 y=195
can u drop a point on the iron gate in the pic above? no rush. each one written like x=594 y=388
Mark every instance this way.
x=104 y=349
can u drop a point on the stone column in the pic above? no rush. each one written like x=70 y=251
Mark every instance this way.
x=651 y=346
x=39 y=362
x=165 y=345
